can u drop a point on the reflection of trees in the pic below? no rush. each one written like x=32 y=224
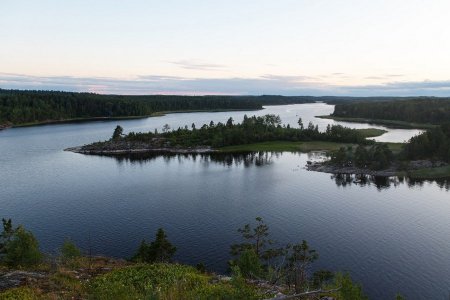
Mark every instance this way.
x=382 y=182
x=246 y=159
x=443 y=183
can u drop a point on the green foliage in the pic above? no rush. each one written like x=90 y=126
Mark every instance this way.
x=144 y=280
x=19 y=247
x=376 y=157
x=432 y=144
x=21 y=293
x=19 y=107
x=322 y=276
x=249 y=264
x=5 y=236
x=118 y=131
x=160 y=250
x=252 y=130
x=399 y=297
x=256 y=239
x=166 y=281
x=256 y=258
x=69 y=252
x=428 y=110
x=300 y=257
x=201 y=267
x=349 y=290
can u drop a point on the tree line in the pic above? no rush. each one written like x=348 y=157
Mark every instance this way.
x=421 y=110
x=18 y=107
x=433 y=144
x=252 y=129
x=27 y=106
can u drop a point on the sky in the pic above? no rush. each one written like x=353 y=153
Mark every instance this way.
x=195 y=47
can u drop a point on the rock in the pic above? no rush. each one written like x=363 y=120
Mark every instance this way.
x=17 y=278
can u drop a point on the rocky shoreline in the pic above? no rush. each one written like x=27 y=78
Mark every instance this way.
x=198 y=150
x=155 y=145
x=394 y=170
x=5 y=126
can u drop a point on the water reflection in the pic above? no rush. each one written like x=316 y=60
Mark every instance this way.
x=246 y=159
x=382 y=182
x=259 y=159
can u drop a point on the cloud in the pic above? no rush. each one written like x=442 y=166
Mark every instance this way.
x=266 y=84
x=196 y=65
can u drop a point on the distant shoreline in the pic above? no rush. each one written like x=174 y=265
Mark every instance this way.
x=93 y=119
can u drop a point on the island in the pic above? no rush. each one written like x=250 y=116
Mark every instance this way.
x=347 y=150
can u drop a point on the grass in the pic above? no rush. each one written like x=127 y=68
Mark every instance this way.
x=387 y=123
x=166 y=281
x=430 y=173
x=281 y=146
x=139 y=281
x=396 y=148
x=371 y=132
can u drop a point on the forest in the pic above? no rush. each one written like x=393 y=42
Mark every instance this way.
x=30 y=107
x=432 y=144
x=20 y=107
x=420 y=110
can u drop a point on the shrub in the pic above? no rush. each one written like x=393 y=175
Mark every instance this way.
x=22 y=250
x=160 y=250
x=249 y=264
x=21 y=293
x=69 y=252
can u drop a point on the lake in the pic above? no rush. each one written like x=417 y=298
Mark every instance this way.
x=393 y=234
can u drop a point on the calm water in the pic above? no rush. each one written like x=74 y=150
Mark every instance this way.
x=392 y=235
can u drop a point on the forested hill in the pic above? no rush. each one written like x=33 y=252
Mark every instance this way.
x=22 y=107
x=423 y=110
x=19 y=107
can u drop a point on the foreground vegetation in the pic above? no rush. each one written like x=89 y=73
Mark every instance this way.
x=260 y=269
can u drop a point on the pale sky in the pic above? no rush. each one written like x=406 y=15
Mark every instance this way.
x=289 y=47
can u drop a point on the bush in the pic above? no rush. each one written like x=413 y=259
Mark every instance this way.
x=160 y=250
x=69 y=253
x=69 y=250
x=22 y=249
x=249 y=264
x=21 y=293
x=349 y=290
